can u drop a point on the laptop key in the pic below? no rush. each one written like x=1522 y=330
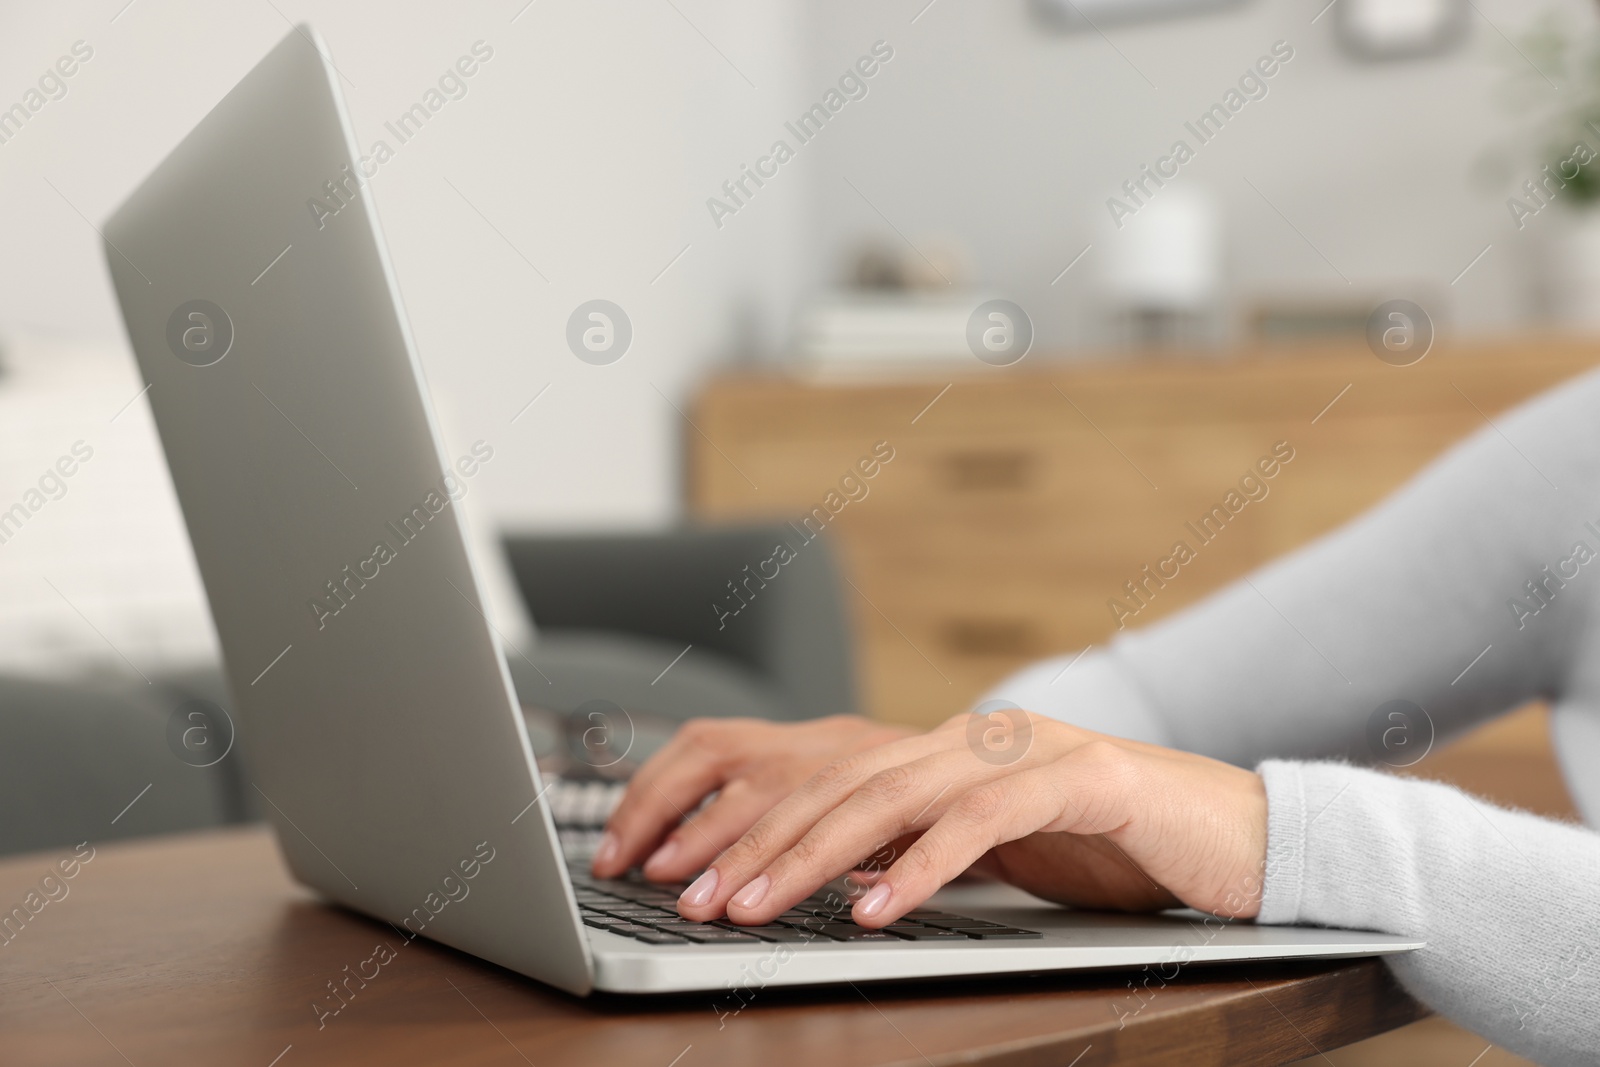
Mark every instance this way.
x=637 y=913
x=629 y=929
x=786 y=934
x=717 y=936
x=1005 y=933
x=849 y=932
x=654 y=937
x=928 y=933
x=729 y=924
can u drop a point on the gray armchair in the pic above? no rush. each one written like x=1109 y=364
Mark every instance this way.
x=92 y=762
x=614 y=612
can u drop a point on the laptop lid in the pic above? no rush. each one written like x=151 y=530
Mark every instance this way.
x=372 y=702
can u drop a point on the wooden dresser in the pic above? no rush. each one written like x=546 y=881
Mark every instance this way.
x=1020 y=500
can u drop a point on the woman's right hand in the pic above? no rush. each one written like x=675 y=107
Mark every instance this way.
x=751 y=764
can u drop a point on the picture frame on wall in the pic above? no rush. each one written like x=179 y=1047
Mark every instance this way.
x=1070 y=15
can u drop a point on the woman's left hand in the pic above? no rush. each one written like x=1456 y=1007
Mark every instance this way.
x=1071 y=815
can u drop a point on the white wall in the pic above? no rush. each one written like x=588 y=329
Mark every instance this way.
x=595 y=135
x=591 y=139
x=1010 y=138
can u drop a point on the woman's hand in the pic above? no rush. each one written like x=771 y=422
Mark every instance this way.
x=1075 y=816
x=751 y=764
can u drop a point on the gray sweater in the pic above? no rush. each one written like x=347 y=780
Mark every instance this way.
x=1468 y=592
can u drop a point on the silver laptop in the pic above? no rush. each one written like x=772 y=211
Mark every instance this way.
x=372 y=699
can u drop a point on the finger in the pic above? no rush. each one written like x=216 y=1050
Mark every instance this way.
x=668 y=786
x=778 y=830
x=893 y=801
x=875 y=866
x=700 y=839
x=994 y=813
x=987 y=868
x=861 y=881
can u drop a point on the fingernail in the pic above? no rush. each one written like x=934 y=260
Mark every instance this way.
x=751 y=895
x=607 y=850
x=874 y=901
x=698 y=894
x=662 y=855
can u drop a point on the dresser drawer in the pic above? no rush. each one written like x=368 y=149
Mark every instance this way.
x=1020 y=502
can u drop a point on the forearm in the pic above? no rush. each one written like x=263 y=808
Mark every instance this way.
x=1398 y=604
x=1506 y=901
x=1093 y=689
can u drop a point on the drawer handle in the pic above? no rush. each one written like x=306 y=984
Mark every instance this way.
x=990 y=637
x=989 y=469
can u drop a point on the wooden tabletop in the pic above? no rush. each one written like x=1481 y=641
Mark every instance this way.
x=199 y=949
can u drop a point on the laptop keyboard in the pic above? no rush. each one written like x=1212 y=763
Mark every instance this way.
x=647 y=911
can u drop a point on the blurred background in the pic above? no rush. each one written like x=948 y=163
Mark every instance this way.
x=1167 y=316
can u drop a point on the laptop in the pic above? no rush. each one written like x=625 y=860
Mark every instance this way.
x=372 y=700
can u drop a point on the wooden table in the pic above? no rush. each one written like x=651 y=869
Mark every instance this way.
x=198 y=949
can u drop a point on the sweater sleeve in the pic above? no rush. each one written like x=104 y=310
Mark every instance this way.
x=1505 y=901
x=1466 y=593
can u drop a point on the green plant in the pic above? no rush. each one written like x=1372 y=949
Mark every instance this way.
x=1554 y=82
